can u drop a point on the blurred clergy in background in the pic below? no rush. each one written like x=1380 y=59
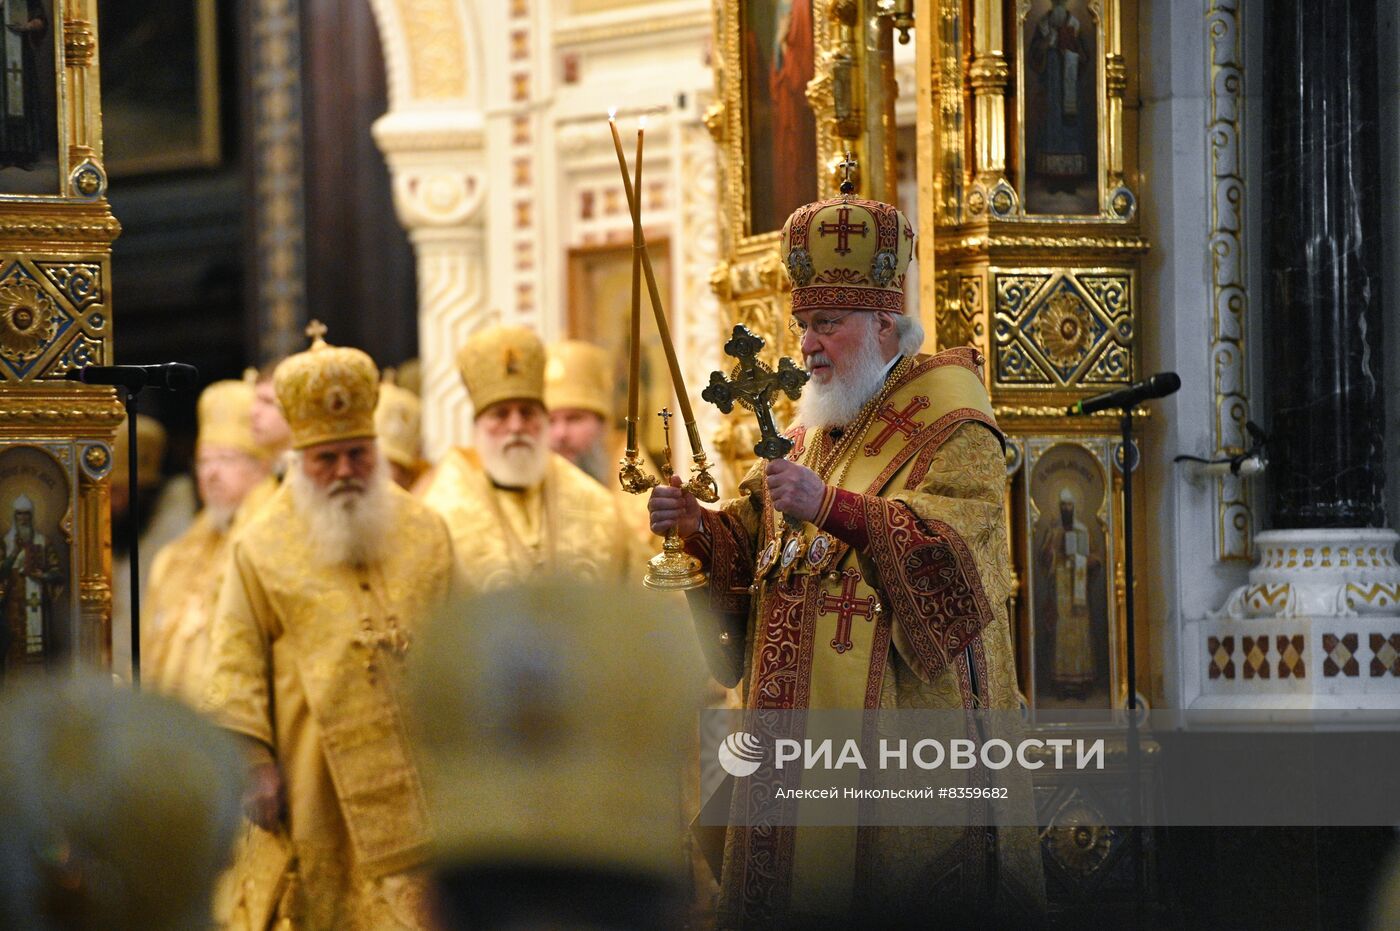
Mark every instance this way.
x=516 y=509
x=186 y=573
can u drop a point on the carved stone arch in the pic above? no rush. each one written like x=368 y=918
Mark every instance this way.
x=431 y=51
x=433 y=141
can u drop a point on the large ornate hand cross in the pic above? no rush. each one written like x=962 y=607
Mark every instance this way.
x=755 y=386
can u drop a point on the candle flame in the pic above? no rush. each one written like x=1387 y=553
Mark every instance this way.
x=642 y=124
x=612 y=113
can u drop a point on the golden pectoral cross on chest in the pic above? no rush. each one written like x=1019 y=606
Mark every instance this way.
x=391 y=640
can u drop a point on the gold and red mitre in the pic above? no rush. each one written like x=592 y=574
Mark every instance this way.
x=226 y=417
x=847 y=254
x=502 y=363
x=327 y=393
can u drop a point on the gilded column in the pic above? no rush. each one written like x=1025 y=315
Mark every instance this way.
x=988 y=76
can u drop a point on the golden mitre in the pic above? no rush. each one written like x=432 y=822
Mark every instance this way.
x=502 y=363
x=579 y=376
x=847 y=254
x=226 y=417
x=398 y=420
x=327 y=393
x=150 y=452
x=548 y=734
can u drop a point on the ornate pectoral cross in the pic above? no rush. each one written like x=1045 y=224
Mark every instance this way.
x=393 y=640
x=847 y=606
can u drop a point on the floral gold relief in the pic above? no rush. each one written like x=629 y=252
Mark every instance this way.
x=438 y=64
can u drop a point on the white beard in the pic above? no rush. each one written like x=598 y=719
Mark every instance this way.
x=348 y=528
x=836 y=403
x=514 y=466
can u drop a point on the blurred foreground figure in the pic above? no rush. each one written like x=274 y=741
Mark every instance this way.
x=118 y=809
x=186 y=573
x=551 y=722
x=326 y=589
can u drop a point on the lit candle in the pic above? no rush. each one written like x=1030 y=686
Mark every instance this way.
x=663 y=328
x=634 y=366
x=638 y=245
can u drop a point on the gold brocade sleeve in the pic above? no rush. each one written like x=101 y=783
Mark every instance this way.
x=240 y=679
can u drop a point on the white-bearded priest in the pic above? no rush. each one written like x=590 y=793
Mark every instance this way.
x=515 y=509
x=892 y=595
x=325 y=590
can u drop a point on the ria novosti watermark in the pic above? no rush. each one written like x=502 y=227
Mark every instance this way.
x=741 y=754
x=968 y=767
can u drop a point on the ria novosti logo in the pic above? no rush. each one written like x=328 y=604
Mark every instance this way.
x=740 y=754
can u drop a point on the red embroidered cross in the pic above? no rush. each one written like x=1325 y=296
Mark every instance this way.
x=843 y=229
x=897 y=422
x=847 y=606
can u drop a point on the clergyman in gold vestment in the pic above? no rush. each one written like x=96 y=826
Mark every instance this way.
x=187 y=572
x=516 y=509
x=892 y=595
x=326 y=588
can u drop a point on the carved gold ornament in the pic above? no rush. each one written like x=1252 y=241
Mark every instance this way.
x=1065 y=329
x=1078 y=839
x=27 y=321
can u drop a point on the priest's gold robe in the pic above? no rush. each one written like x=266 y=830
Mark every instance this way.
x=179 y=608
x=895 y=597
x=567 y=524
x=305 y=663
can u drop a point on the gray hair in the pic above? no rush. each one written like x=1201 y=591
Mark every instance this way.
x=910 y=332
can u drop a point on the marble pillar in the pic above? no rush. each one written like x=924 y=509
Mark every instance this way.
x=1322 y=245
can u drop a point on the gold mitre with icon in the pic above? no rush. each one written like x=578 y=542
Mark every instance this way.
x=225 y=415
x=502 y=362
x=327 y=393
x=847 y=254
x=534 y=744
x=398 y=420
x=579 y=376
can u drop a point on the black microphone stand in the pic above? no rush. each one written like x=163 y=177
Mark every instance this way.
x=129 y=380
x=1130 y=464
x=133 y=532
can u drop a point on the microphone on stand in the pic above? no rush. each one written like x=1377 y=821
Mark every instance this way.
x=172 y=376
x=1157 y=386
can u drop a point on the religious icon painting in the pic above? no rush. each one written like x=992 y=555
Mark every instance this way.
x=31 y=47
x=778 y=54
x=790 y=551
x=38 y=595
x=1070 y=548
x=1059 y=77
x=160 y=86
x=818 y=551
x=767 y=558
